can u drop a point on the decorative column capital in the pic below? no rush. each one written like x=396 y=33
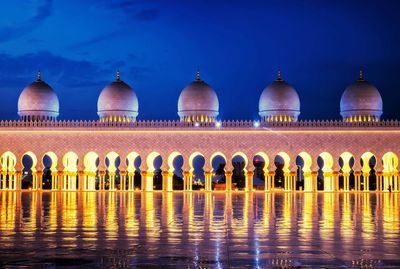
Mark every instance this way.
x=379 y=173
x=228 y=173
x=186 y=173
x=250 y=173
x=357 y=173
x=165 y=173
x=293 y=173
x=123 y=173
x=208 y=173
x=60 y=173
x=102 y=173
x=39 y=173
x=335 y=173
x=314 y=173
x=144 y=173
x=271 y=173
x=81 y=173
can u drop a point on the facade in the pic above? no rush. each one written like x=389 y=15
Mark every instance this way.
x=84 y=154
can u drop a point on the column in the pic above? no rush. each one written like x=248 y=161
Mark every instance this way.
x=54 y=181
x=81 y=181
x=102 y=183
x=228 y=182
x=378 y=181
x=293 y=180
x=187 y=181
x=357 y=179
x=335 y=181
x=18 y=180
x=147 y=181
x=122 y=180
x=346 y=182
x=167 y=180
x=249 y=180
x=131 y=181
x=287 y=181
x=4 y=180
x=111 y=178
x=11 y=180
x=396 y=182
x=208 y=181
x=308 y=186
x=271 y=180
x=34 y=180
x=366 y=181
x=314 y=175
x=39 y=180
x=60 y=176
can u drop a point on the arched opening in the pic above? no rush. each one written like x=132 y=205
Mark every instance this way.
x=30 y=179
x=50 y=178
x=196 y=163
x=325 y=172
x=112 y=176
x=368 y=171
x=346 y=179
x=259 y=179
x=7 y=177
x=390 y=173
x=282 y=172
x=133 y=162
x=218 y=180
x=153 y=179
x=70 y=178
x=91 y=162
x=175 y=163
x=303 y=175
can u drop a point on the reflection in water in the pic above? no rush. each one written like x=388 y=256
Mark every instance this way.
x=199 y=229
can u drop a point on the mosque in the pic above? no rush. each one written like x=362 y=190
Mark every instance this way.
x=117 y=152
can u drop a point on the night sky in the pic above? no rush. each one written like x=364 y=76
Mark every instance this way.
x=238 y=46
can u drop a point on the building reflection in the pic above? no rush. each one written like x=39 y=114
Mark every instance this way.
x=199 y=224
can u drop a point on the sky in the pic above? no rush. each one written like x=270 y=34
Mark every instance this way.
x=238 y=46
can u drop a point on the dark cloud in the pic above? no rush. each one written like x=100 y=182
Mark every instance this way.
x=77 y=82
x=94 y=40
x=43 y=11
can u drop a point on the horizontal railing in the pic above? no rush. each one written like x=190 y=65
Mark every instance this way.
x=178 y=124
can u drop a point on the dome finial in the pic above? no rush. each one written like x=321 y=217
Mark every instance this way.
x=361 y=77
x=198 y=74
x=279 y=74
x=38 y=75
x=118 y=75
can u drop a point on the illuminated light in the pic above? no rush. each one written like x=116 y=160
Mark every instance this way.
x=218 y=124
x=196 y=124
x=256 y=124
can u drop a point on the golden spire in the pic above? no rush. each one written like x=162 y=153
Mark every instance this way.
x=198 y=74
x=118 y=75
x=38 y=75
x=361 y=77
x=279 y=74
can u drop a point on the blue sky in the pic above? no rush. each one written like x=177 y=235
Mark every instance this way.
x=238 y=46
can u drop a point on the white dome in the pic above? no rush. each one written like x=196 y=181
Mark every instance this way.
x=198 y=102
x=361 y=101
x=279 y=102
x=118 y=102
x=38 y=101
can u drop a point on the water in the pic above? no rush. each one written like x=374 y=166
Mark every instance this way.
x=198 y=230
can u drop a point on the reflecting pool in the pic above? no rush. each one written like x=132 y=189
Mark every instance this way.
x=198 y=230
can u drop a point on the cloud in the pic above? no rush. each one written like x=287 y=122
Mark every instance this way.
x=94 y=40
x=43 y=11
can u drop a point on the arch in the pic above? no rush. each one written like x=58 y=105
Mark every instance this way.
x=150 y=160
x=8 y=161
x=170 y=160
x=244 y=156
x=70 y=162
x=366 y=157
x=328 y=162
x=286 y=160
x=266 y=159
x=346 y=157
x=131 y=158
x=112 y=158
x=54 y=160
x=217 y=153
x=307 y=161
x=89 y=161
x=390 y=162
x=191 y=158
x=33 y=157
